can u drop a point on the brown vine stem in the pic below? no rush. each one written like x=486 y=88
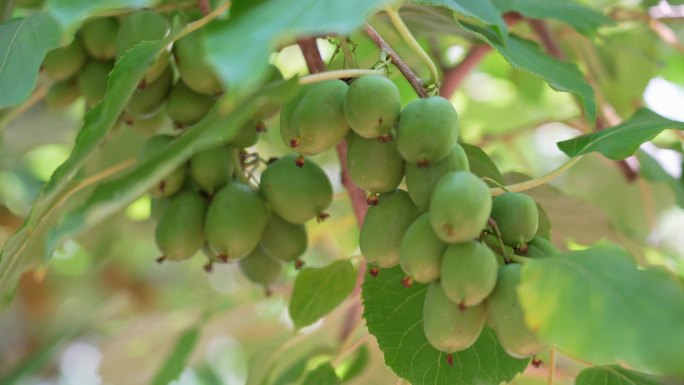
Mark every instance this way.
x=412 y=78
x=454 y=76
x=315 y=64
x=551 y=45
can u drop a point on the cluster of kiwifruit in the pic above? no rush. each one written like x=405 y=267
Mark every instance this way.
x=444 y=229
x=82 y=69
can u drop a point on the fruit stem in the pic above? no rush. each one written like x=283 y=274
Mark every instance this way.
x=349 y=59
x=239 y=170
x=338 y=74
x=518 y=259
x=552 y=365
x=536 y=182
x=192 y=27
x=492 y=223
x=408 y=37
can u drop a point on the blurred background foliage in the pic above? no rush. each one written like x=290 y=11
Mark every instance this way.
x=102 y=311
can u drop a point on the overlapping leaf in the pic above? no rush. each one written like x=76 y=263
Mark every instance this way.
x=614 y=375
x=317 y=291
x=596 y=304
x=394 y=315
x=621 y=141
x=239 y=47
x=482 y=10
x=580 y=17
x=526 y=56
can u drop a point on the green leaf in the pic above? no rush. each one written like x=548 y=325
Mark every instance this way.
x=123 y=81
x=218 y=127
x=23 y=45
x=651 y=170
x=176 y=361
x=544 y=229
x=394 y=315
x=29 y=244
x=526 y=56
x=352 y=367
x=580 y=17
x=627 y=314
x=324 y=374
x=614 y=375
x=482 y=10
x=317 y=291
x=621 y=141
x=242 y=64
x=480 y=163
x=70 y=13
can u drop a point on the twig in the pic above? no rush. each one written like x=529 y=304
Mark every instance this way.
x=192 y=27
x=14 y=113
x=315 y=64
x=412 y=43
x=204 y=6
x=536 y=182
x=551 y=46
x=552 y=365
x=339 y=74
x=454 y=76
x=412 y=78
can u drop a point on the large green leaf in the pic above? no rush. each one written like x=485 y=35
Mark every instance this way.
x=580 y=17
x=70 y=13
x=23 y=45
x=317 y=291
x=621 y=141
x=614 y=375
x=28 y=244
x=231 y=44
x=176 y=360
x=651 y=170
x=482 y=10
x=324 y=374
x=596 y=304
x=526 y=55
x=394 y=315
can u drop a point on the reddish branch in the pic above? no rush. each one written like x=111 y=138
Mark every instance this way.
x=204 y=6
x=412 y=78
x=454 y=76
x=358 y=198
x=549 y=42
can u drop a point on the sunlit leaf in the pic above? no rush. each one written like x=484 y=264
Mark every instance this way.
x=614 y=375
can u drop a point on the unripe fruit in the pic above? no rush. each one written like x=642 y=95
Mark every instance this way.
x=421 y=181
x=65 y=62
x=144 y=26
x=459 y=207
x=384 y=227
x=248 y=136
x=145 y=102
x=374 y=165
x=468 y=273
x=179 y=233
x=283 y=240
x=427 y=130
x=297 y=194
x=260 y=268
x=99 y=37
x=318 y=121
x=506 y=317
x=92 y=81
x=517 y=217
x=235 y=221
x=539 y=247
x=372 y=106
x=192 y=66
x=447 y=327
x=212 y=169
x=287 y=131
x=174 y=180
x=157 y=207
x=421 y=251
x=62 y=94
x=187 y=107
